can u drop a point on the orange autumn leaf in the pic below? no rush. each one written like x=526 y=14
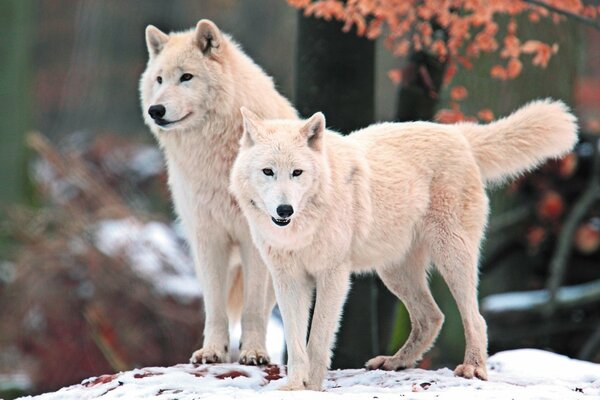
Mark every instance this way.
x=551 y=206
x=395 y=76
x=567 y=165
x=535 y=236
x=587 y=238
x=450 y=72
x=452 y=116
x=498 y=72
x=449 y=116
x=512 y=47
x=458 y=93
x=514 y=67
x=485 y=115
x=590 y=12
x=534 y=17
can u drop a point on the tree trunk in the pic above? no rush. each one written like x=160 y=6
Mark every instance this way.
x=335 y=74
x=418 y=94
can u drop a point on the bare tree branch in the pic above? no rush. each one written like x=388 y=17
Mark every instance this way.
x=584 y=20
x=591 y=346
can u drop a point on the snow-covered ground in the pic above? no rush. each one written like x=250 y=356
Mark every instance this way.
x=516 y=374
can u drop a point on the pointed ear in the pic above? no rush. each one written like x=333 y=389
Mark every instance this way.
x=208 y=37
x=155 y=40
x=313 y=130
x=250 y=127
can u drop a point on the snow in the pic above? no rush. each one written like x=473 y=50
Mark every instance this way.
x=275 y=339
x=157 y=253
x=517 y=374
x=15 y=381
x=152 y=249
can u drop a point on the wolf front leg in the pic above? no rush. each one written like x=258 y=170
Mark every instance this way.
x=259 y=299
x=294 y=295
x=332 y=289
x=211 y=253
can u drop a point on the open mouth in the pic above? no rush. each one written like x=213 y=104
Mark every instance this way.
x=164 y=122
x=281 y=222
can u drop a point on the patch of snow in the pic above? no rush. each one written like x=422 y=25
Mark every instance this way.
x=547 y=365
x=154 y=251
x=60 y=189
x=275 y=339
x=8 y=272
x=518 y=374
x=15 y=381
x=146 y=162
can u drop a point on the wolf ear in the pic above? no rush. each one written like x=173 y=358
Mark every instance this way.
x=208 y=36
x=250 y=127
x=313 y=130
x=155 y=40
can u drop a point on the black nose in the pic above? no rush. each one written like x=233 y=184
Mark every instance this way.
x=285 y=210
x=157 y=111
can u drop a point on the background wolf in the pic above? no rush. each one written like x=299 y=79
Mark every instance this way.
x=391 y=197
x=191 y=92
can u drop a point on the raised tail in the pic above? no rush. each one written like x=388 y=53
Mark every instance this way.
x=512 y=145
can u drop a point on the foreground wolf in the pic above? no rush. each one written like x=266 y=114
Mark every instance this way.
x=392 y=197
x=192 y=90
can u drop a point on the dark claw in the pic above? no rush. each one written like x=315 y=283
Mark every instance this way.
x=261 y=360
x=243 y=360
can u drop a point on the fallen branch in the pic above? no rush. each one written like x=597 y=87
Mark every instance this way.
x=537 y=300
x=558 y=263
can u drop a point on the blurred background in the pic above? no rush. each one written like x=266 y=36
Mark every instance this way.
x=95 y=276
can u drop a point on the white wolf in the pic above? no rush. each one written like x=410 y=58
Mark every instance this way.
x=392 y=197
x=191 y=92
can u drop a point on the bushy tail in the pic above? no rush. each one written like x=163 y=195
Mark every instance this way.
x=512 y=145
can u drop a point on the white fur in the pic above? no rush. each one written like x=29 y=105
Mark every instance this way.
x=393 y=198
x=200 y=146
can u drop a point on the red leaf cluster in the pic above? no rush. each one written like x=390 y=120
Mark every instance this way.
x=471 y=27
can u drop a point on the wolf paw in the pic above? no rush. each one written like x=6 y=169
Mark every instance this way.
x=317 y=387
x=389 y=363
x=254 y=357
x=209 y=355
x=469 y=371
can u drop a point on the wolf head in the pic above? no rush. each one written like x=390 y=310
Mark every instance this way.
x=280 y=169
x=186 y=75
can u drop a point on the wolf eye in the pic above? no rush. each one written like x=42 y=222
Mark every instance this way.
x=297 y=172
x=268 y=171
x=185 y=77
x=159 y=79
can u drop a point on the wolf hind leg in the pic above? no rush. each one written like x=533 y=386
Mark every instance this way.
x=454 y=245
x=409 y=283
